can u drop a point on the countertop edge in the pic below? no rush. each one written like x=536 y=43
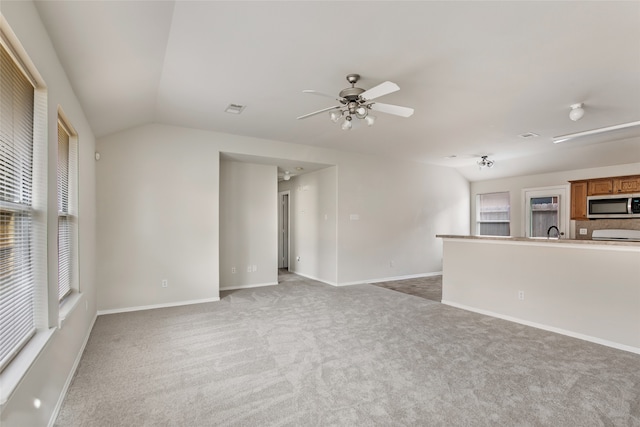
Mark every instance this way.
x=508 y=239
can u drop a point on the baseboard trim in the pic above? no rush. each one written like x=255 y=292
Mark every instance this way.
x=259 y=285
x=391 y=279
x=306 y=276
x=154 y=306
x=65 y=388
x=560 y=331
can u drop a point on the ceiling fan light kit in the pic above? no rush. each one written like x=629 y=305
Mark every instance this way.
x=356 y=102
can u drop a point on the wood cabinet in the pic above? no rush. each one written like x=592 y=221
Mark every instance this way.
x=600 y=186
x=578 y=199
x=626 y=184
x=603 y=186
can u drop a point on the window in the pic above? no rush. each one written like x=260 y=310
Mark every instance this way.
x=17 y=265
x=544 y=208
x=67 y=222
x=493 y=214
x=543 y=214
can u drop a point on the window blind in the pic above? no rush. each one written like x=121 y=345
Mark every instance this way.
x=493 y=214
x=17 y=282
x=64 y=217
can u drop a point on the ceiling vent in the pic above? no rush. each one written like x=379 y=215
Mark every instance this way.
x=528 y=135
x=235 y=108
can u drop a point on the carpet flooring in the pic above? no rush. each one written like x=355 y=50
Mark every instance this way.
x=423 y=287
x=308 y=354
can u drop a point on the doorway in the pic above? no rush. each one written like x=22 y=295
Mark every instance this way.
x=283 y=229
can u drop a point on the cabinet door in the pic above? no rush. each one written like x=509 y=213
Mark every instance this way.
x=600 y=186
x=579 y=200
x=626 y=184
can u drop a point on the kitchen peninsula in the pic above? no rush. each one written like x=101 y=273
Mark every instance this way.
x=581 y=288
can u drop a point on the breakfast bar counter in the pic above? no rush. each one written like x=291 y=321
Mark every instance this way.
x=582 y=288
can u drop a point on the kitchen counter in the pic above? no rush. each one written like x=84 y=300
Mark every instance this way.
x=552 y=241
x=582 y=288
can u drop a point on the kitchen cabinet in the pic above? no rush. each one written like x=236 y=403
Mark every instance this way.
x=579 y=200
x=599 y=186
x=626 y=184
x=602 y=186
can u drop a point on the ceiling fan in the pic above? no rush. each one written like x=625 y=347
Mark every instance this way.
x=356 y=102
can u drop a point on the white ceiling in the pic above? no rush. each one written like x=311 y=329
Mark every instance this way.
x=478 y=74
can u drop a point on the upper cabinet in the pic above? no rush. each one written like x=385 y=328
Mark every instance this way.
x=597 y=187
x=600 y=186
x=626 y=184
x=579 y=200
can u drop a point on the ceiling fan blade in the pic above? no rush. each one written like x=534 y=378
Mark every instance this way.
x=337 y=107
x=392 y=109
x=315 y=92
x=380 y=90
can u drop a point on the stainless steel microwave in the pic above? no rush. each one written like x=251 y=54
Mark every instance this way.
x=617 y=206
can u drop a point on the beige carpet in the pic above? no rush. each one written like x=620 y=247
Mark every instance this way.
x=308 y=354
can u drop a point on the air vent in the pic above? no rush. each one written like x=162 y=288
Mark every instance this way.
x=235 y=108
x=528 y=135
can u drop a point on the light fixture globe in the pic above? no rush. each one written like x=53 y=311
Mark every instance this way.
x=361 y=112
x=576 y=112
x=346 y=125
x=335 y=116
x=370 y=120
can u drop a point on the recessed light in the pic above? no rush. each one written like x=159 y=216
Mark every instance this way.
x=528 y=135
x=452 y=156
x=235 y=108
x=298 y=168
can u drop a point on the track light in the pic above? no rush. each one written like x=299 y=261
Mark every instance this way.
x=484 y=162
x=287 y=176
x=576 y=112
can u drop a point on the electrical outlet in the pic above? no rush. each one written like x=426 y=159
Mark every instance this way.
x=165 y=283
x=233 y=270
x=583 y=231
x=248 y=269
x=521 y=295
x=298 y=258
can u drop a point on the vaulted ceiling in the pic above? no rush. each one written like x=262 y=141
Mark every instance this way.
x=478 y=74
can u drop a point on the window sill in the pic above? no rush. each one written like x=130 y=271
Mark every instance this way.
x=13 y=373
x=67 y=307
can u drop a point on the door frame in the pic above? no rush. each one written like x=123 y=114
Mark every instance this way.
x=282 y=250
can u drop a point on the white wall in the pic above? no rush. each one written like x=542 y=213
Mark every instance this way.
x=248 y=225
x=583 y=290
x=515 y=186
x=157 y=220
x=402 y=206
x=313 y=232
x=49 y=374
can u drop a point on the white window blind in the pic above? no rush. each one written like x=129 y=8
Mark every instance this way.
x=65 y=221
x=493 y=214
x=16 y=214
